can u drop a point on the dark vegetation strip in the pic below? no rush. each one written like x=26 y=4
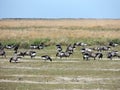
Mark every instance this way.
x=49 y=41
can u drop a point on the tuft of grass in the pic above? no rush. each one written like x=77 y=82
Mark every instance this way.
x=37 y=41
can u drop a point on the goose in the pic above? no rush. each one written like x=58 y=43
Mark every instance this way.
x=46 y=57
x=15 y=58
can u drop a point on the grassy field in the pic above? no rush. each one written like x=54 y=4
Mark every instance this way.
x=71 y=73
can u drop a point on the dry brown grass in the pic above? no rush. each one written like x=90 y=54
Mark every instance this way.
x=59 y=29
x=62 y=22
x=56 y=34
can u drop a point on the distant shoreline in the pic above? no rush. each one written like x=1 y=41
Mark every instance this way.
x=59 y=18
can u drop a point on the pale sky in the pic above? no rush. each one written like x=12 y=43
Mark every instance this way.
x=60 y=9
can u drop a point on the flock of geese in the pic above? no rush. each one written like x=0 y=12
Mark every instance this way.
x=86 y=51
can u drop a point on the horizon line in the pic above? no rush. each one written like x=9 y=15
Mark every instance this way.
x=58 y=18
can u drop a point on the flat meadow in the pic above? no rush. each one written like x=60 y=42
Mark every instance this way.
x=71 y=73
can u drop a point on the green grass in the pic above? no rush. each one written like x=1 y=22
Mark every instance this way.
x=93 y=74
x=19 y=86
x=61 y=68
x=67 y=40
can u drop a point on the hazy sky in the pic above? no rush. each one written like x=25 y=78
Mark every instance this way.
x=59 y=8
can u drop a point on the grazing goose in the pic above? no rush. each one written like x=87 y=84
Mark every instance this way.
x=63 y=54
x=86 y=50
x=40 y=46
x=46 y=57
x=16 y=48
x=80 y=44
x=112 y=54
x=15 y=58
x=99 y=55
x=59 y=48
x=113 y=44
x=9 y=46
x=2 y=52
x=87 y=55
x=30 y=53
x=70 y=48
x=19 y=53
x=32 y=46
